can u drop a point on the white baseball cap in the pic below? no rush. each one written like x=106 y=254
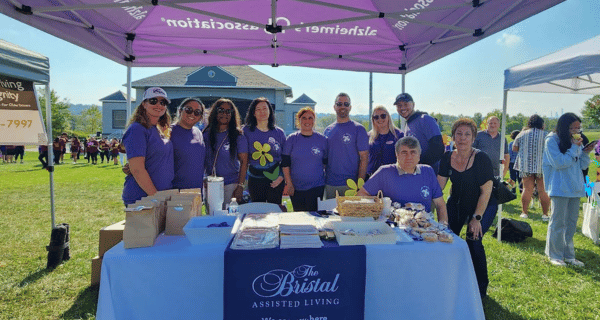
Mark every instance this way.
x=155 y=92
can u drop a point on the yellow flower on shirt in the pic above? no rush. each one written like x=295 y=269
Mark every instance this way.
x=354 y=187
x=262 y=153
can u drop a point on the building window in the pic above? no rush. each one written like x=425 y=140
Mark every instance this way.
x=119 y=118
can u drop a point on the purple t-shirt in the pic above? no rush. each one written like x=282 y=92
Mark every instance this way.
x=158 y=154
x=275 y=138
x=423 y=127
x=344 y=141
x=225 y=166
x=421 y=188
x=383 y=150
x=189 y=152
x=306 y=154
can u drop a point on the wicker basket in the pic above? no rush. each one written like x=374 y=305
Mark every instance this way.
x=346 y=209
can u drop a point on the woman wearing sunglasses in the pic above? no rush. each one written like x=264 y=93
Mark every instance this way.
x=226 y=148
x=189 y=149
x=149 y=150
x=265 y=144
x=382 y=140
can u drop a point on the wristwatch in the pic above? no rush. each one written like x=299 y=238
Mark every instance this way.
x=477 y=217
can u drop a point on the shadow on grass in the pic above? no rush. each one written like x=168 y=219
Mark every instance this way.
x=34 y=277
x=84 y=306
x=494 y=310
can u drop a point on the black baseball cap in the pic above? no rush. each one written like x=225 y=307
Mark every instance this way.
x=405 y=97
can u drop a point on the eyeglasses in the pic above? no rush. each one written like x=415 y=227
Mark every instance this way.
x=190 y=110
x=383 y=116
x=154 y=101
x=225 y=111
x=345 y=104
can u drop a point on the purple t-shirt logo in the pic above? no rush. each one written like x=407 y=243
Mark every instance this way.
x=346 y=138
x=226 y=146
x=315 y=150
x=274 y=143
x=425 y=192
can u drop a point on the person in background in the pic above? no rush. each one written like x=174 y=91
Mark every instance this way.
x=92 y=147
x=64 y=139
x=3 y=153
x=83 y=148
x=226 y=148
x=10 y=154
x=382 y=140
x=114 y=150
x=423 y=127
x=564 y=158
x=19 y=151
x=189 y=150
x=56 y=150
x=419 y=181
x=149 y=150
x=530 y=147
x=43 y=157
x=75 y=145
x=515 y=179
x=122 y=153
x=471 y=174
x=489 y=141
x=104 y=150
x=265 y=143
x=347 y=147
x=303 y=161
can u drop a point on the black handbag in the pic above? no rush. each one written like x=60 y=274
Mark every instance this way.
x=514 y=230
x=502 y=192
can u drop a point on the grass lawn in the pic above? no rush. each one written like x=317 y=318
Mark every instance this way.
x=523 y=285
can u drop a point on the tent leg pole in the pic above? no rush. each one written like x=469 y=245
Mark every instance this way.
x=403 y=87
x=370 y=99
x=50 y=151
x=128 y=90
x=503 y=134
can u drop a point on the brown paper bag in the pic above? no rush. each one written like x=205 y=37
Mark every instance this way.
x=177 y=216
x=193 y=199
x=142 y=226
x=161 y=206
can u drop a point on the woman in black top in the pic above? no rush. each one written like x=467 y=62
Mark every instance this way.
x=469 y=203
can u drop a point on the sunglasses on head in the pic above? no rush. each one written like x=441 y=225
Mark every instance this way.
x=154 y=101
x=345 y=104
x=383 y=116
x=190 y=110
x=225 y=111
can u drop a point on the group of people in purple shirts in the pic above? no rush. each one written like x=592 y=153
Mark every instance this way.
x=404 y=164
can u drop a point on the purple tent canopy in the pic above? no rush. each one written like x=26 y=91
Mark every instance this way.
x=389 y=36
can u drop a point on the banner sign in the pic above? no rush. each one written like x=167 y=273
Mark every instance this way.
x=295 y=284
x=20 y=119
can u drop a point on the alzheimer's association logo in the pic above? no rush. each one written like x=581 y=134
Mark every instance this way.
x=302 y=280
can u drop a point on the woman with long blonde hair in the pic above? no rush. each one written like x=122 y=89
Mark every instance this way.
x=382 y=140
x=149 y=150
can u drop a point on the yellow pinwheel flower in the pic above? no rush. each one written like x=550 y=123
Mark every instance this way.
x=354 y=187
x=262 y=153
x=446 y=139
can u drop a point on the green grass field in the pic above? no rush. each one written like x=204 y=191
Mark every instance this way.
x=523 y=285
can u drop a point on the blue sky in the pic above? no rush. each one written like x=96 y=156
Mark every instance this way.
x=464 y=82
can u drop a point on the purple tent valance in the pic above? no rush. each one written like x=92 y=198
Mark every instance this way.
x=388 y=36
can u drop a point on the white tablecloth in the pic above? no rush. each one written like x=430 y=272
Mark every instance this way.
x=175 y=280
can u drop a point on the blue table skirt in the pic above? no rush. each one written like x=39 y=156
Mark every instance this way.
x=175 y=280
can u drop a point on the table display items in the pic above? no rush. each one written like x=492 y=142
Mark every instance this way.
x=233 y=207
x=419 y=224
x=215 y=187
x=363 y=232
x=142 y=225
x=209 y=230
x=299 y=236
x=360 y=206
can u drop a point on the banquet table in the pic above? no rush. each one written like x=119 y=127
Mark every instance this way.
x=177 y=280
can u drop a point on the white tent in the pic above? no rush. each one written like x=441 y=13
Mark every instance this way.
x=23 y=64
x=575 y=69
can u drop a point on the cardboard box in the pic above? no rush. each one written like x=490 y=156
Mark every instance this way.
x=110 y=236
x=96 y=268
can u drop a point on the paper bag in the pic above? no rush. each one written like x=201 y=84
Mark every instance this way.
x=142 y=226
x=193 y=199
x=161 y=206
x=177 y=216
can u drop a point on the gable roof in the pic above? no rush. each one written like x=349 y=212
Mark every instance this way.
x=117 y=96
x=247 y=77
x=304 y=99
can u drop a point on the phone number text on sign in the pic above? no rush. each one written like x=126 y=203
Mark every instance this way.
x=17 y=124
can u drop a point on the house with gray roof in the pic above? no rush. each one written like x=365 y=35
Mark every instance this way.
x=241 y=84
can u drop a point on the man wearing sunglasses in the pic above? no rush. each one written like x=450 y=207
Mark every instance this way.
x=347 y=149
x=423 y=127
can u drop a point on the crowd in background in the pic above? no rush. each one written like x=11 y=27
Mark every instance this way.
x=90 y=148
x=11 y=153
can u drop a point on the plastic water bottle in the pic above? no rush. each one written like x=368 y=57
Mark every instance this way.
x=233 y=207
